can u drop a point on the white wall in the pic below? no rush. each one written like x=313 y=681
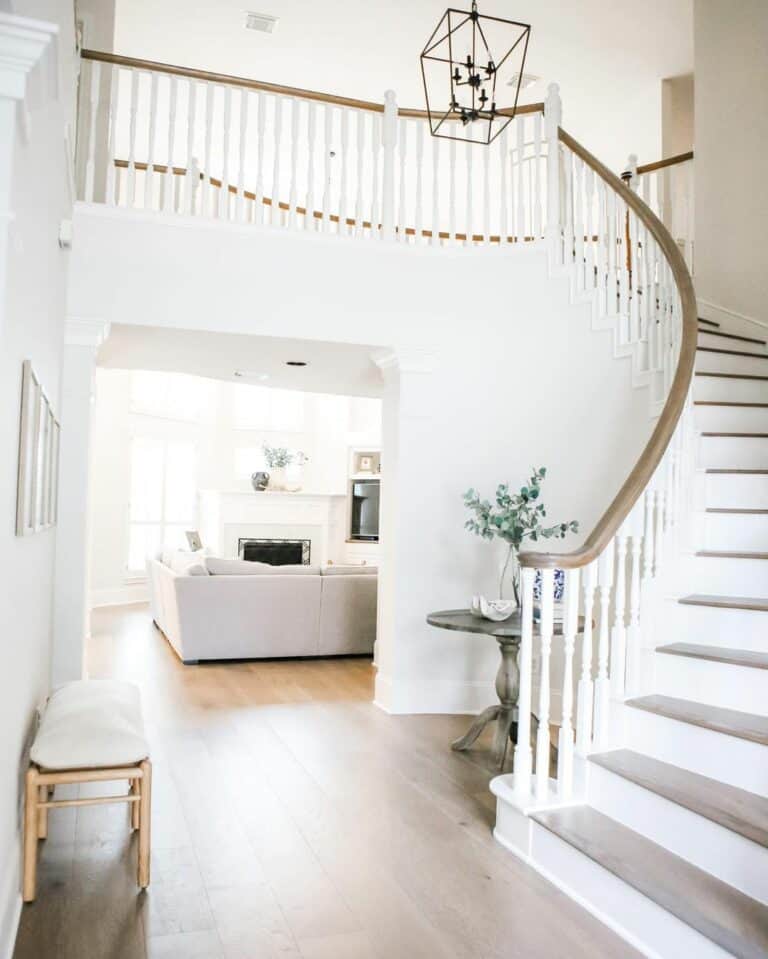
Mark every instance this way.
x=519 y=380
x=331 y=424
x=731 y=98
x=34 y=198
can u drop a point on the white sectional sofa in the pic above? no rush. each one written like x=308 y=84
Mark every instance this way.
x=211 y=608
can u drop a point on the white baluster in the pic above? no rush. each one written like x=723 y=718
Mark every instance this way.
x=537 y=220
x=634 y=635
x=570 y=629
x=309 y=216
x=149 y=175
x=328 y=135
x=521 y=217
x=93 y=109
x=650 y=526
x=523 y=755
x=344 y=179
x=612 y=286
x=552 y=121
x=591 y=251
x=210 y=93
x=578 y=225
x=435 y=191
x=192 y=179
x=545 y=637
x=602 y=687
x=470 y=184
x=134 y=106
x=293 y=192
x=243 y=142
x=419 y=179
x=619 y=631
x=223 y=198
x=503 y=213
x=360 y=157
x=401 y=211
x=375 y=151
x=658 y=540
x=585 y=697
x=276 y=217
x=567 y=201
x=452 y=191
x=169 y=185
x=389 y=145
x=114 y=119
x=602 y=247
x=258 y=203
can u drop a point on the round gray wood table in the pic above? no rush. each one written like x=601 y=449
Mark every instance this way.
x=504 y=713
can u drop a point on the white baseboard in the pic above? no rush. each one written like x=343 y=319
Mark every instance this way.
x=721 y=314
x=120 y=595
x=10 y=904
x=409 y=695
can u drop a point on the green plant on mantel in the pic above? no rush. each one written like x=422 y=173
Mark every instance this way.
x=514 y=518
x=278 y=457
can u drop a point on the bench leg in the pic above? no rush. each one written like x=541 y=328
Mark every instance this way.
x=42 y=813
x=30 y=835
x=145 y=805
x=135 y=791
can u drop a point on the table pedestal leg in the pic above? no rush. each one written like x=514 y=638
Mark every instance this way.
x=486 y=716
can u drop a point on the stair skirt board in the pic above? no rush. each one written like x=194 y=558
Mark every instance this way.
x=724 y=685
x=738 y=762
x=720 y=851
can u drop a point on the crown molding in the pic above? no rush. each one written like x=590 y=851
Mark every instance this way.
x=23 y=43
x=82 y=332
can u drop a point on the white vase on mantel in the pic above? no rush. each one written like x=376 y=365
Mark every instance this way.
x=277 y=478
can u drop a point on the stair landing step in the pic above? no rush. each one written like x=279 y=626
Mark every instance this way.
x=729 y=554
x=736 y=809
x=724 y=915
x=730 y=722
x=733 y=336
x=717 y=654
x=758 y=603
x=718 y=349
x=708 y=322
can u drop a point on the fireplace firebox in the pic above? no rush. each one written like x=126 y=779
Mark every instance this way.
x=276 y=552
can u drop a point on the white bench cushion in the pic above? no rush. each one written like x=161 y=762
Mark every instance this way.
x=91 y=724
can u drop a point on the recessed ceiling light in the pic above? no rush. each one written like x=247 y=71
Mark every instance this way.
x=262 y=22
x=526 y=80
x=295 y=363
x=251 y=375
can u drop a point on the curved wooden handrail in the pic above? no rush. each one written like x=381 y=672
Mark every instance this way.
x=669 y=161
x=643 y=471
x=211 y=77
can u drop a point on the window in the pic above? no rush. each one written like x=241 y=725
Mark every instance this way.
x=263 y=408
x=163 y=497
x=174 y=396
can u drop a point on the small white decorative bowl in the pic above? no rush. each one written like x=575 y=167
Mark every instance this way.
x=497 y=610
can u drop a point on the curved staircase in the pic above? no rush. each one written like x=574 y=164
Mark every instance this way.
x=670 y=846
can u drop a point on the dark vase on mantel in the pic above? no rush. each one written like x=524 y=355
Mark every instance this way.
x=259 y=481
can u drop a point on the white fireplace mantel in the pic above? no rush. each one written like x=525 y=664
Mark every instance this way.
x=227 y=515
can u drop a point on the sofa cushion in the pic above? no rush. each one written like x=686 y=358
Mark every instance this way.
x=90 y=724
x=186 y=563
x=349 y=570
x=244 y=567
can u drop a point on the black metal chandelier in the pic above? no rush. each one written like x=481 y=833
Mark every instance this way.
x=461 y=51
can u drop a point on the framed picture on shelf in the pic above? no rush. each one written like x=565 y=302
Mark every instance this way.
x=37 y=491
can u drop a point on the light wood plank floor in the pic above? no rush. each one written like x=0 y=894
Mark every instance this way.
x=292 y=819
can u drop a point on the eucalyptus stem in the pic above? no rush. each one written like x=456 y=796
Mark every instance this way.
x=504 y=573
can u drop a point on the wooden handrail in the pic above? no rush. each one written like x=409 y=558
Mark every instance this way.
x=661 y=164
x=645 y=467
x=209 y=77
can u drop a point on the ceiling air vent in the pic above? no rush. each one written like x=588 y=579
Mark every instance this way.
x=262 y=22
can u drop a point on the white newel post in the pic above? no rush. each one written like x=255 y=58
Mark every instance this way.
x=389 y=144
x=82 y=340
x=553 y=115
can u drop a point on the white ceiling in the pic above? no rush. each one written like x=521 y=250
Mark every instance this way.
x=609 y=56
x=340 y=368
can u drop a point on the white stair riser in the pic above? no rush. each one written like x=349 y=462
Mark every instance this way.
x=726 y=363
x=738 y=762
x=736 y=490
x=738 y=391
x=713 y=626
x=726 y=577
x=719 y=684
x=732 y=531
x=723 y=343
x=739 y=419
x=727 y=855
x=650 y=928
x=738 y=452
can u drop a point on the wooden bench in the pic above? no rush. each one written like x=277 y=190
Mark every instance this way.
x=90 y=731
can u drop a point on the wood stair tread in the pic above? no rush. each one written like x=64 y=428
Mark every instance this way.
x=736 y=809
x=718 y=349
x=724 y=470
x=733 y=376
x=708 y=322
x=724 y=915
x=743 y=436
x=759 y=603
x=736 y=511
x=734 y=336
x=717 y=654
x=729 y=554
x=730 y=722
x=730 y=403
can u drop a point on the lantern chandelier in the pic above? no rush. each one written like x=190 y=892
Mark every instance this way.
x=468 y=49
